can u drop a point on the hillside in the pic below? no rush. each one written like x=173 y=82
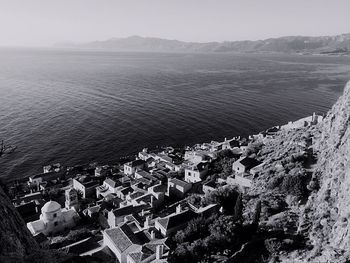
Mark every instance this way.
x=328 y=208
x=339 y=44
x=304 y=189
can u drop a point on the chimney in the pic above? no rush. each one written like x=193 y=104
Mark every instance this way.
x=153 y=235
x=178 y=209
x=152 y=200
x=159 y=251
x=142 y=212
x=146 y=224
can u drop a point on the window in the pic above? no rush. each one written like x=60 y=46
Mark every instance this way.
x=56 y=223
x=54 y=215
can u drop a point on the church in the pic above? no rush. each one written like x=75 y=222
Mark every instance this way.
x=54 y=219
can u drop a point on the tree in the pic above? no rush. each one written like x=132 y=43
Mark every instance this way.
x=194 y=199
x=238 y=210
x=196 y=229
x=227 y=153
x=295 y=184
x=223 y=196
x=257 y=212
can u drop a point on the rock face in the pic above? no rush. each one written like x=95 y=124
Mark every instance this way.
x=328 y=208
x=304 y=187
x=15 y=239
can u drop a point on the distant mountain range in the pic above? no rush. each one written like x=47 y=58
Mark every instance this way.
x=339 y=44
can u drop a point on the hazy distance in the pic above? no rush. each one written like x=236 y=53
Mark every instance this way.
x=45 y=22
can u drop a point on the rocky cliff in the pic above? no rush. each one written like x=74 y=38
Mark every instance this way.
x=15 y=238
x=304 y=187
x=328 y=208
x=324 y=219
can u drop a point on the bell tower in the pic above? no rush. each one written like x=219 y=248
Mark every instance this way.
x=71 y=199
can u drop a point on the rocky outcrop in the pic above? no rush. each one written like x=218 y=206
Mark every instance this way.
x=15 y=239
x=328 y=208
x=317 y=157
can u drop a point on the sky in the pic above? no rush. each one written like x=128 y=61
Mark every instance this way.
x=45 y=22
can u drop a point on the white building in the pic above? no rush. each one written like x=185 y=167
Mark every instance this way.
x=196 y=173
x=244 y=164
x=196 y=157
x=177 y=188
x=52 y=168
x=240 y=180
x=53 y=219
x=72 y=199
x=131 y=167
x=85 y=186
x=109 y=186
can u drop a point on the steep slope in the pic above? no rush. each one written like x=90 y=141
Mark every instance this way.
x=15 y=239
x=304 y=187
x=328 y=208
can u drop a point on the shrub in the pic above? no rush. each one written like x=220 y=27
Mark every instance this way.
x=294 y=184
x=224 y=196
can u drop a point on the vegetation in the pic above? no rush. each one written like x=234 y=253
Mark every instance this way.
x=73 y=236
x=225 y=197
x=222 y=232
x=222 y=166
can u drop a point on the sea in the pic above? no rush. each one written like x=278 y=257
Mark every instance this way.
x=76 y=107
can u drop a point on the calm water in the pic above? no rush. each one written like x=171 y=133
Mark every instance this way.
x=75 y=107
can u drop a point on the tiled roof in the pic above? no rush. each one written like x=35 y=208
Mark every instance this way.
x=179 y=182
x=128 y=210
x=119 y=238
x=37 y=225
x=152 y=245
x=165 y=158
x=150 y=160
x=234 y=143
x=94 y=209
x=144 y=181
x=137 y=194
x=111 y=182
x=136 y=163
x=249 y=162
x=134 y=218
x=143 y=173
x=136 y=256
x=145 y=198
x=126 y=190
x=174 y=220
x=27 y=208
